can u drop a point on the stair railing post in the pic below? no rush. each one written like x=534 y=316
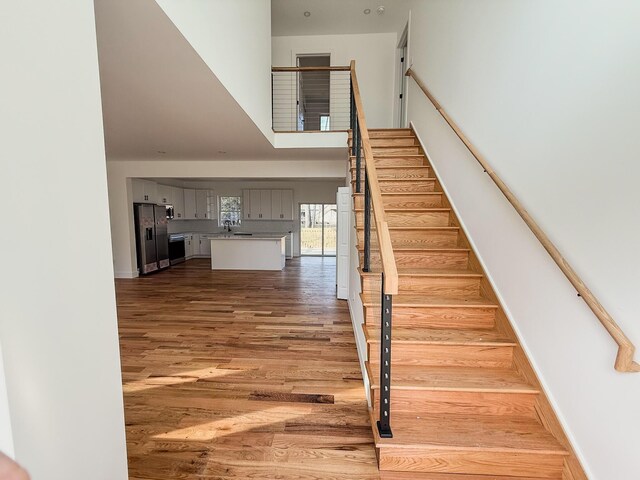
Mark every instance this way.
x=384 y=424
x=367 y=224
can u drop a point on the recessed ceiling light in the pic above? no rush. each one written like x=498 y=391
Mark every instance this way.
x=380 y=10
x=307 y=14
x=367 y=11
x=222 y=151
x=161 y=152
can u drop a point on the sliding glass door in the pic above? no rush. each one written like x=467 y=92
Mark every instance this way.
x=318 y=223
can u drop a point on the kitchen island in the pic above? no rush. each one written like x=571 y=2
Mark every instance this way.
x=247 y=252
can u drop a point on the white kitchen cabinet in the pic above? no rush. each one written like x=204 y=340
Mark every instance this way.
x=246 y=204
x=281 y=204
x=259 y=205
x=205 y=246
x=190 y=212
x=188 y=245
x=204 y=210
x=165 y=195
x=178 y=203
x=144 y=191
x=265 y=204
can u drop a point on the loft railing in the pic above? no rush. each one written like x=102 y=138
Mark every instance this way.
x=361 y=150
x=310 y=99
x=626 y=350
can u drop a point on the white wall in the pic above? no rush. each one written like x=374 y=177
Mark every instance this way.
x=308 y=191
x=548 y=91
x=233 y=38
x=57 y=305
x=375 y=59
x=121 y=198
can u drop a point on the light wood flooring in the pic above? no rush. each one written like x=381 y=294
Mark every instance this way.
x=242 y=375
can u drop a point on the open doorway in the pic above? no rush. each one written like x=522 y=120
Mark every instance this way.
x=318 y=223
x=314 y=93
x=402 y=79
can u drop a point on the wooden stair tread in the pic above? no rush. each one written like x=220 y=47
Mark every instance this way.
x=396 y=167
x=405 y=210
x=426 y=249
x=427 y=272
x=391 y=155
x=440 y=336
x=418 y=227
x=405 y=179
x=454 y=378
x=420 y=300
x=514 y=434
x=390 y=475
x=402 y=194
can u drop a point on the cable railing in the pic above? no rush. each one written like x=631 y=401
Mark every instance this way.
x=626 y=350
x=310 y=99
x=373 y=206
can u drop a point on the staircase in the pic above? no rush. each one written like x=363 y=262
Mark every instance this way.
x=464 y=398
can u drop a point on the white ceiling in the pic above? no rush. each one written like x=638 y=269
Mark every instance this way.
x=330 y=17
x=159 y=96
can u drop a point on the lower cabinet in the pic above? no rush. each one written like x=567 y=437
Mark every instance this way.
x=188 y=246
x=205 y=246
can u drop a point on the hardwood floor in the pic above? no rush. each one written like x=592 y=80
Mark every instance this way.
x=242 y=375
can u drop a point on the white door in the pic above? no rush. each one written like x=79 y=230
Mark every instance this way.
x=178 y=203
x=343 y=242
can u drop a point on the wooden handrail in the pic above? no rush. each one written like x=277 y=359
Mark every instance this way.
x=311 y=69
x=626 y=350
x=382 y=228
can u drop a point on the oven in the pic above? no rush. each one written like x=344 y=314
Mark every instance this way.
x=176 y=248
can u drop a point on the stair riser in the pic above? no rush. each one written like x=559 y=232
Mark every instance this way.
x=435 y=317
x=426 y=402
x=412 y=219
x=390 y=141
x=396 y=161
x=417 y=259
x=415 y=238
x=433 y=286
x=395 y=150
x=451 y=355
x=403 y=186
x=443 y=460
x=416 y=173
x=405 y=201
x=394 y=132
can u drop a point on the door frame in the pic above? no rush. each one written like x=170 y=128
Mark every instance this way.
x=402 y=65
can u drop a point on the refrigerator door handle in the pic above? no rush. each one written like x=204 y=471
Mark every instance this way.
x=149 y=233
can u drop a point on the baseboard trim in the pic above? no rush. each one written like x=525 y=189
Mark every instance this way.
x=125 y=274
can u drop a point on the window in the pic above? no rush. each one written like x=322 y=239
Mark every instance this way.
x=231 y=210
x=325 y=124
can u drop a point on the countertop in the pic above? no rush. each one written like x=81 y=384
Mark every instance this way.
x=255 y=236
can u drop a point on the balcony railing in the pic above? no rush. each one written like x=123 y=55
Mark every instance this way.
x=311 y=99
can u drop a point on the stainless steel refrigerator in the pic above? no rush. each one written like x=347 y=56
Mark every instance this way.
x=152 y=240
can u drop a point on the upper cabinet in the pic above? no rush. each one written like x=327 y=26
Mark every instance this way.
x=282 y=204
x=144 y=191
x=178 y=203
x=190 y=212
x=199 y=204
x=165 y=195
x=267 y=204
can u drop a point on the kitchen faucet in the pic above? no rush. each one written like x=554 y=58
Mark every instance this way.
x=227 y=225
